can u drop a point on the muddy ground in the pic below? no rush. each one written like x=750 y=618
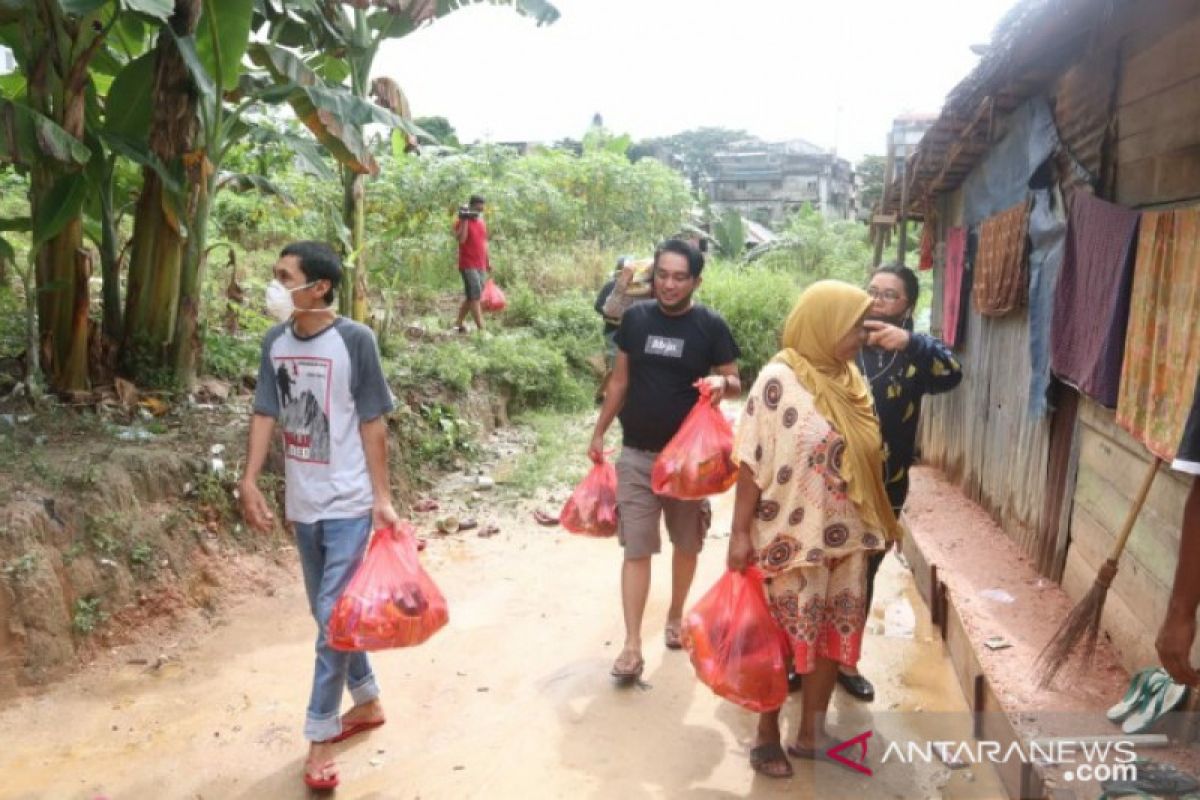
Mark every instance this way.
x=512 y=699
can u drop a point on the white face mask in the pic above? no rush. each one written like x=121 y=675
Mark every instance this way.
x=279 y=300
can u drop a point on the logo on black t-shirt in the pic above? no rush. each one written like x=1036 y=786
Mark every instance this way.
x=663 y=346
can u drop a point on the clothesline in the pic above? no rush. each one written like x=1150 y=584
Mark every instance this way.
x=1125 y=305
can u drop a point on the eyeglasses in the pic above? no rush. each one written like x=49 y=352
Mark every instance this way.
x=890 y=295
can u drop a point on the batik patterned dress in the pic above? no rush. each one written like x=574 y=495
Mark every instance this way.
x=809 y=536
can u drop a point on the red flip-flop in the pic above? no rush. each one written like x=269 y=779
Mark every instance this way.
x=321 y=784
x=356 y=728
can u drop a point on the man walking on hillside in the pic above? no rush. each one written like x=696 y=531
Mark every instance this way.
x=320 y=380
x=473 y=261
x=664 y=347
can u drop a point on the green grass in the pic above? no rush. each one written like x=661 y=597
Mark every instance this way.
x=558 y=457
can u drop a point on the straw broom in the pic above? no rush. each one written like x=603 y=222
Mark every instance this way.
x=1083 y=623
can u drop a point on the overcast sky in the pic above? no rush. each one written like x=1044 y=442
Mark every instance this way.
x=833 y=72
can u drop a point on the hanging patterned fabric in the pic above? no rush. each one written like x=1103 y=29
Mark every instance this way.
x=928 y=240
x=1162 y=345
x=1001 y=278
x=952 y=281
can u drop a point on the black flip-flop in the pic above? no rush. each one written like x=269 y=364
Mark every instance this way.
x=766 y=754
x=857 y=687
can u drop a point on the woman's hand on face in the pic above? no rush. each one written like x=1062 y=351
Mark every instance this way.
x=889 y=337
x=741 y=552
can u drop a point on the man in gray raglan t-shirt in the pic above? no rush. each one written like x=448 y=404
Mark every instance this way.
x=321 y=383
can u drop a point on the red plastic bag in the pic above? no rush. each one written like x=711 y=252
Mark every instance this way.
x=592 y=507
x=698 y=461
x=737 y=648
x=391 y=601
x=492 y=298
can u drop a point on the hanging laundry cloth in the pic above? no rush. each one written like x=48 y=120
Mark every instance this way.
x=1091 y=303
x=1001 y=280
x=956 y=251
x=1162 y=345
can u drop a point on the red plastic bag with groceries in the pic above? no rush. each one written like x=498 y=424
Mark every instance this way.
x=492 y=298
x=698 y=461
x=737 y=648
x=391 y=601
x=592 y=508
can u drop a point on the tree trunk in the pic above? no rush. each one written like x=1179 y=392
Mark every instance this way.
x=110 y=268
x=151 y=297
x=187 y=329
x=358 y=238
x=61 y=271
x=156 y=251
x=352 y=300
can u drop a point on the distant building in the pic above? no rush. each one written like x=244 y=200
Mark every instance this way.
x=768 y=181
x=8 y=62
x=902 y=140
x=907 y=130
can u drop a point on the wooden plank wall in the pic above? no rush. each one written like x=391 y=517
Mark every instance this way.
x=981 y=434
x=1157 y=164
x=1158 y=114
x=1111 y=466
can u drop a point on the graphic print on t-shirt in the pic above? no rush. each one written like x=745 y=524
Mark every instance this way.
x=304 y=385
x=664 y=346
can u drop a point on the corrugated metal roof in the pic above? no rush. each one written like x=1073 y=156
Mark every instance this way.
x=1028 y=49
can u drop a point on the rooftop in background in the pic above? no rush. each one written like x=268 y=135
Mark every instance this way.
x=767 y=181
x=1029 y=46
x=788 y=147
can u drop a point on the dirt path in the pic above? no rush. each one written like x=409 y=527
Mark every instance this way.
x=512 y=699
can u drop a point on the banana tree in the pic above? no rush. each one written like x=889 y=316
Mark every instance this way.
x=340 y=40
x=337 y=118
x=187 y=137
x=55 y=43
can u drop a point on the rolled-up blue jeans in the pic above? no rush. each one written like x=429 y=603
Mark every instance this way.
x=330 y=552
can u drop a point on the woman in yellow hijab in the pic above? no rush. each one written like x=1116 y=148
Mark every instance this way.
x=811 y=503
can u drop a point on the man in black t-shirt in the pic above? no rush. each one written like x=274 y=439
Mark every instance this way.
x=664 y=346
x=1178 y=630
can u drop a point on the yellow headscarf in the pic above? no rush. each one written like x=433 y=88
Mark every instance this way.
x=825 y=312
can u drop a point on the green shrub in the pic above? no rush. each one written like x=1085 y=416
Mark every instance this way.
x=229 y=356
x=534 y=371
x=554 y=218
x=568 y=321
x=452 y=364
x=755 y=302
x=87 y=614
x=12 y=319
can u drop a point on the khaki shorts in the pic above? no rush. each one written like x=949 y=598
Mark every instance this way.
x=640 y=510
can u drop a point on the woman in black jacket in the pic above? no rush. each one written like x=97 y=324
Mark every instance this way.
x=901 y=366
